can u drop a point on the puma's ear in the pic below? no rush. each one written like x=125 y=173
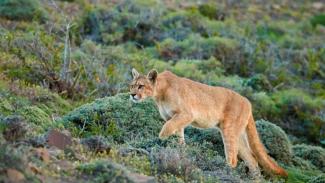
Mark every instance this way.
x=135 y=73
x=152 y=75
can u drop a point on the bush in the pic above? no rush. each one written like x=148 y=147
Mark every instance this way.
x=96 y=144
x=126 y=21
x=209 y=11
x=21 y=9
x=263 y=106
x=106 y=171
x=302 y=163
x=275 y=141
x=118 y=117
x=13 y=128
x=36 y=115
x=314 y=154
x=197 y=47
x=318 y=20
x=173 y=161
x=300 y=113
x=318 y=179
x=259 y=82
x=211 y=138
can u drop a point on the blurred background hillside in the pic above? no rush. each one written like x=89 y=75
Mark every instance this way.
x=56 y=55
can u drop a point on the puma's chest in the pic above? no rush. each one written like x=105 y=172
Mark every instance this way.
x=166 y=112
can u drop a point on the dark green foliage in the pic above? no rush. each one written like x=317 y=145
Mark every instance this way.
x=275 y=141
x=259 y=82
x=117 y=117
x=314 y=154
x=318 y=20
x=301 y=113
x=21 y=9
x=209 y=11
x=212 y=137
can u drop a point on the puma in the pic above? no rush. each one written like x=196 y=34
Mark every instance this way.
x=183 y=102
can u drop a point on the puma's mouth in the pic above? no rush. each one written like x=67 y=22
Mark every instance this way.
x=135 y=98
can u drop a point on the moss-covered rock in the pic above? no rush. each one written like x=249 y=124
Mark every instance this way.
x=118 y=117
x=275 y=141
x=314 y=154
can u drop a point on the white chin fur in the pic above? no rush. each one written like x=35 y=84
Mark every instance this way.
x=134 y=100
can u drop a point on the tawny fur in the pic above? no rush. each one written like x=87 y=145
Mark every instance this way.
x=183 y=102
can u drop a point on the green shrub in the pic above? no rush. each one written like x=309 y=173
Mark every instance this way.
x=263 y=106
x=105 y=171
x=13 y=128
x=302 y=163
x=36 y=115
x=314 y=154
x=173 y=161
x=318 y=179
x=318 y=20
x=211 y=138
x=21 y=9
x=275 y=141
x=209 y=11
x=117 y=116
x=301 y=112
x=126 y=21
x=197 y=47
x=6 y=107
x=259 y=82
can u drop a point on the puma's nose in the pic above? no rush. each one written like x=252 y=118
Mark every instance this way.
x=133 y=95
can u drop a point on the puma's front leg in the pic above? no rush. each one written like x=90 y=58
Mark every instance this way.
x=176 y=124
x=181 y=139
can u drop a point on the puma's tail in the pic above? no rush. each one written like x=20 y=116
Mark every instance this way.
x=259 y=151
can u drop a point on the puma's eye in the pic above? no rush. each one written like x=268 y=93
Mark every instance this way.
x=140 y=86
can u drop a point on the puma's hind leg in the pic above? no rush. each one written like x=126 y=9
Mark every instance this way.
x=230 y=142
x=246 y=155
x=232 y=128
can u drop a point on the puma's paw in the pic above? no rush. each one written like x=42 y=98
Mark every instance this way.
x=181 y=142
x=166 y=131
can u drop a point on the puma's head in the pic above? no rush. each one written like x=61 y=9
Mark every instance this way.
x=142 y=86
